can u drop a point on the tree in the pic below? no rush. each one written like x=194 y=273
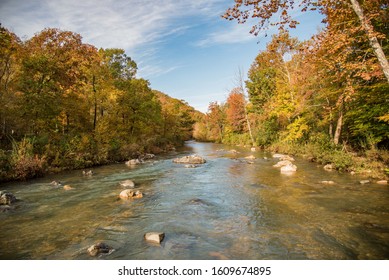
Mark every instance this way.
x=267 y=12
x=235 y=111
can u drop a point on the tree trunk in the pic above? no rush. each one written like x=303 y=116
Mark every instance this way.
x=338 y=127
x=95 y=100
x=377 y=49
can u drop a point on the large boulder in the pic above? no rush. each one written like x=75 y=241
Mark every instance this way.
x=192 y=159
x=127 y=184
x=128 y=194
x=7 y=198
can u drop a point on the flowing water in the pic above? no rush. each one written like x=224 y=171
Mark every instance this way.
x=223 y=209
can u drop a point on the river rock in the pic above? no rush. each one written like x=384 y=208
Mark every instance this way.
x=190 y=165
x=364 y=182
x=154 y=237
x=192 y=159
x=128 y=194
x=329 y=167
x=286 y=157
x=133 y=162
x=289 y=168
x=7 y=198
x=87 y=173
x=251 y=157
x=5 y=208
x=99 y=248
x=127 y=184
x=67 y=187
x=56 y=183
x=327 y=182
x=282 y=163
x=147 y=156
x=278 y=155
x=382 y=182
x=253 y=149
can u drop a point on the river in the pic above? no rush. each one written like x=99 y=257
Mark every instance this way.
x=223 y=209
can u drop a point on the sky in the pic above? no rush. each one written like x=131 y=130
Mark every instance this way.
x=183 y=47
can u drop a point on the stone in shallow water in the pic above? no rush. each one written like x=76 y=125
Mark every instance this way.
x=127 y=194
x=154 y=237
x=7 y=198
x=193 y=159
x=99 y=248
x=127 y=184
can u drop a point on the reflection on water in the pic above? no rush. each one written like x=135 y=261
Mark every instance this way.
x=224 y=209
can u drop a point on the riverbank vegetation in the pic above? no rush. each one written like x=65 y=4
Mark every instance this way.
x=67 y=105
x=325 y=98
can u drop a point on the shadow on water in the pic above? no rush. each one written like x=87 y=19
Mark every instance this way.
x=227 y=208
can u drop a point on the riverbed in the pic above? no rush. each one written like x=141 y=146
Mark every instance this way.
x=227 y=208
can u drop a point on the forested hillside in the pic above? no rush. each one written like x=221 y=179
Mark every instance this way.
x=326 y=98
x=65 y=105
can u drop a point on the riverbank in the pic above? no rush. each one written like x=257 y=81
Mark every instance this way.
x=21 y=164
x=371 y=163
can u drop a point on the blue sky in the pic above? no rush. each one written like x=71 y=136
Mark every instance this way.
x=183 y=47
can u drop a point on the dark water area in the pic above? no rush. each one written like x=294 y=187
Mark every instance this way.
x=226 y=208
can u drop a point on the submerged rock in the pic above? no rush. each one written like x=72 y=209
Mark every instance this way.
x=289 y=168
x=250 y=157
x=7 y=198
x=190 y=165
x=128 y=194
x=87 y=173
x=329 y=167
x=67 y=187
x=99 y=248
x=133 y=162
x=192 y=159
x=127 y=184
x=282 y=163
x=154 y=237
x=327 y=182
x=382 y=182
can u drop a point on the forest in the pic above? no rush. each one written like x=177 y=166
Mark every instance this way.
x=68 y=105
x=326 y=98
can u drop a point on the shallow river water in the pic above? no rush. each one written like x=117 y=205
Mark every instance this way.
x=223 y=209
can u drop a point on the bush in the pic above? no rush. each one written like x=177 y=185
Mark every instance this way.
x=24 y=163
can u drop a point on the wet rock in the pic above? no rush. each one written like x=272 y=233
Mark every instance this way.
x=56 y=183
x=253 y=149
x=67 y=187
x=327 y=182
x=382 y=182
x=99 y=248
x=192 y=159
x=364 y=182
x=286 y=157
x=129 y=194
x=190 y=165
x=329 y=167
x=133 y=162
x=234 y=151
x=282 y=163
x=87 y=173
x=127 y=184
x=154 y=237
x=7 y=198
x=278 y=155
x=290 y=168
x=147 y=156
x=251 y=157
